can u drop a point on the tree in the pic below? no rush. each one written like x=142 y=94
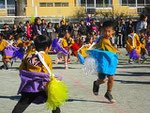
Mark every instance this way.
x=20 y=10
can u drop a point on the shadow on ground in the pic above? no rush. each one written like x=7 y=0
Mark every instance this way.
x=132 y=82
x=11 y=97
x=134 y=74
x=80 y=100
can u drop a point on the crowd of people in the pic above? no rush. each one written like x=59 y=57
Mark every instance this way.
x=78 y=34
x=32 y=43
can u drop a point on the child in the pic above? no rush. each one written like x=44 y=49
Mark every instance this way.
x=3 y=44
x=85 y=47
x=105 y=45
x=32 y=65
x=148 y=39
x=143 y=45
x=133 y=43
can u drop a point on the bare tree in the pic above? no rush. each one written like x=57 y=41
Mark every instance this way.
x=20 y=10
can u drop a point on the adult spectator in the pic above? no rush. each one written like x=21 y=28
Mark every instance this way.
x=50 y=30
x=37 y=28
x=21 y=29
x=142 y=24
x=124 y=32
x=82 y=28
x=129 y=27
x=119 y=33
x=62 y=28
x=28 y=29
x=43 y=25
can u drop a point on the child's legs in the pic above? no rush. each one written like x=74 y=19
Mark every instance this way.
x=24 y=102
x=65 y=58
x=110 y=83
x=101 y=78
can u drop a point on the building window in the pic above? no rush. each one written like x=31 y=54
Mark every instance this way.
x=55 y=4
x=131 y=3
x=140 y=2
x=82 y=2
x=103 y=3
x=90 y=3
x=2 y=4
x=58 y=4
x=65 y=4
x=50 y=5
x=148 y=2
x=43 y=5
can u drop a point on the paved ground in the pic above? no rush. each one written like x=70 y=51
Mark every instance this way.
x=131 y=90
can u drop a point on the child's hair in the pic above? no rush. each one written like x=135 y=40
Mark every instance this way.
x=16 y=37
x=36 y=19
x=2 y=35
x=88 y=38
x=132 y=30
x=143 y=31
x=107 y=24
x=42 y=42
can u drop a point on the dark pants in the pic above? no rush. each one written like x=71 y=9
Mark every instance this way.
x=26 y=99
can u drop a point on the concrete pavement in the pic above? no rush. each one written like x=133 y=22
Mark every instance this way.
x=131 y=89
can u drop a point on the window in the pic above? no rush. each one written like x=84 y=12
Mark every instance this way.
x=57 y=4
x=2 y=4
x=140 y=2
x=49 y=4
x=54 y=4
x=131 y=3
x=103 y=3
x=82 y=2
x=43 y=5
x=65 y=4
x=90 y=3
x=148 y=2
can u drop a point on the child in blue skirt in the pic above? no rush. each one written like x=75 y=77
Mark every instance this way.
x=105 y=45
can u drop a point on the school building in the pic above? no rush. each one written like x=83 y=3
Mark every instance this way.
x=68 y=8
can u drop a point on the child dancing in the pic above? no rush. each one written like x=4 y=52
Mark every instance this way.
x=32 y=89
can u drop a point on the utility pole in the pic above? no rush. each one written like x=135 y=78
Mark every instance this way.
x=20 y=10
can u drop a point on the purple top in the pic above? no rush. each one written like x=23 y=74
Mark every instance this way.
x=33 y=82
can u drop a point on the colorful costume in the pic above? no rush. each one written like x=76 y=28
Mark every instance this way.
x=37 y=77
x=133 y=46
x=148 y=43
x=105 y=58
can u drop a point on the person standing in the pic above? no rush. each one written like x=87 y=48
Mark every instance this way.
x=142 y=24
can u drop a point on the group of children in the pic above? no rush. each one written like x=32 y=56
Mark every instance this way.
x=42 y=44
x=138 y=45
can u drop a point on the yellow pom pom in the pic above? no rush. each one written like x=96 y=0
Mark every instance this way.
x=57 y=93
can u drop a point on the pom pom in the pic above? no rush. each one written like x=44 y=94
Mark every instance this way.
x=90 y=65
x=81 y=58
x=57 y=93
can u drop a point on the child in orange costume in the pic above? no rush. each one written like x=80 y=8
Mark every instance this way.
x=133 y=42
x=3 y=44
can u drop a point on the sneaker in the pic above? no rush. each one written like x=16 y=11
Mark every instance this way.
x=131 y=61
x=6 y=67
x=109 y=97
x=95 y=88
x=1 y=67
x=11 y=63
